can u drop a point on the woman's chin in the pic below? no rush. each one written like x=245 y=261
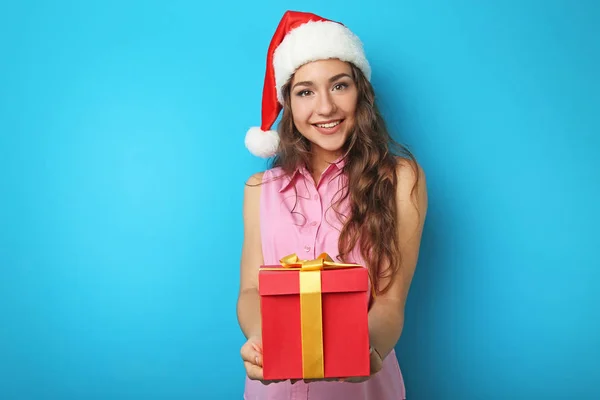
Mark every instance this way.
x=329 y=149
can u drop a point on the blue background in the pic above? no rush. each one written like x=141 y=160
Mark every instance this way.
x=122 y=166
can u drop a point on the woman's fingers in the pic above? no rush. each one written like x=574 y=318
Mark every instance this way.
x=376 y=361
x=252 y=361
x=250 y=355
x=254 y=371
x=256 y=347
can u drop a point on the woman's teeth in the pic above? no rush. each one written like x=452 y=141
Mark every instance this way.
x=329 y=125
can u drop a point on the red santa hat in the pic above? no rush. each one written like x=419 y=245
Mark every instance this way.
x=299 y=39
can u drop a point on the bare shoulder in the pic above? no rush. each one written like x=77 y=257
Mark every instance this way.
x=412 y=185
x=409 y=172
x=255 y=179
x=252 y=189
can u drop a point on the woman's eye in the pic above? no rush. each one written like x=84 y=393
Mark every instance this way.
x=340 y=86
x=303 y=93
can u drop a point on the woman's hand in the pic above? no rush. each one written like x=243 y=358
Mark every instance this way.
x=376 y=365
x=251 y=353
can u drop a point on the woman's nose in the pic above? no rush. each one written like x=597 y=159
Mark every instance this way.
x=325 y=105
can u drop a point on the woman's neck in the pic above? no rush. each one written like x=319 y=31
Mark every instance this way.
x=319 y=162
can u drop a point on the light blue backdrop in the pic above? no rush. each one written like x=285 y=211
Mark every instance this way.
x=122 y=165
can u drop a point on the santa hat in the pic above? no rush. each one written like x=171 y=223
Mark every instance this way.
x=299 y=39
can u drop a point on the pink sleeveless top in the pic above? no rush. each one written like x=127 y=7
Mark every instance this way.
x=296 y=217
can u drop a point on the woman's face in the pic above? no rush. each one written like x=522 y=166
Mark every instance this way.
x=323 y=102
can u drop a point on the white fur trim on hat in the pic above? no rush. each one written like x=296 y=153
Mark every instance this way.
x=262 y=143
x=316 y=40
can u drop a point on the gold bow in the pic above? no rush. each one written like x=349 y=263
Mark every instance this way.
x=320 y=263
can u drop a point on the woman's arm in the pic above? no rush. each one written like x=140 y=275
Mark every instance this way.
x=386 y=316
x=248 y=304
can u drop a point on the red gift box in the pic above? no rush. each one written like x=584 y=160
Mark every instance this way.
x=314 y=319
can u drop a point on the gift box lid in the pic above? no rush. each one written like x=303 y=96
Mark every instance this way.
x=283 y=281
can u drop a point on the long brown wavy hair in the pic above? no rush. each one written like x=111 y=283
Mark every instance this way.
x=371 y=156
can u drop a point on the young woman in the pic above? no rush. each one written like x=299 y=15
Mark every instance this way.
x=336 y=186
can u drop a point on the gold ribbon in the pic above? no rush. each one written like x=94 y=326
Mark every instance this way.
x=311 y=323
x=311 y=317
x=318 y=264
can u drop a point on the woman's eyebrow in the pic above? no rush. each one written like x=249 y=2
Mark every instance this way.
x=331 y=80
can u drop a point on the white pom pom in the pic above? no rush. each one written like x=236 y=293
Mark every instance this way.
x=260 y=143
